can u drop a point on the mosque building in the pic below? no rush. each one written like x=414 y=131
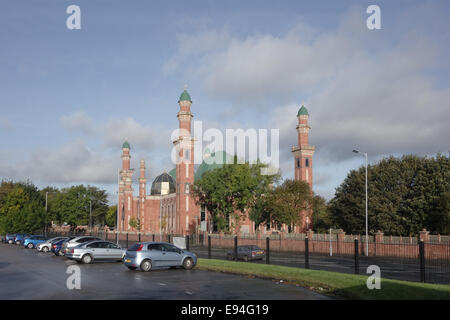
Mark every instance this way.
x=169 y=208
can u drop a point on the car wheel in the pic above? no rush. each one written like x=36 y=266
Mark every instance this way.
x=30 y=246
x=146 y=265
x=87 y=258
x=45 y=249
x=188 y=264
x=132 y=268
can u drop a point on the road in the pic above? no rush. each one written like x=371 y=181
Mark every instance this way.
x=28 y=274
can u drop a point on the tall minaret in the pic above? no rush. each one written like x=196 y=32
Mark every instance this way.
x=142 y=189
x=185 y=166
x=125 y=205
x=303 y=154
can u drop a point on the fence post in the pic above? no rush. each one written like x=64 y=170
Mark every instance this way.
x=168 y=238
x=139 y=237
x=356 y=257
x=209 y=246
x=235 y=248
x=306 y=252
x=187 y=242
x=422 y=260
x=153 y=237
x=267 y=250
x=127 y=240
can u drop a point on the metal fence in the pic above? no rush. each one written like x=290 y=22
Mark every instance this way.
x=401 y=259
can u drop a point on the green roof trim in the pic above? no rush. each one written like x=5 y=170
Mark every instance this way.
x=126 y=145
x=302 y=111
x=185 y=97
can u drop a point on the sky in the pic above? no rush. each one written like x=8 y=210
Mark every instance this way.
x=69 y=98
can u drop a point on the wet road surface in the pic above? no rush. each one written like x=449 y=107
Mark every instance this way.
x=28 y=274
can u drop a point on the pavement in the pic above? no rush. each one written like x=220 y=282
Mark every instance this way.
x=29 y=274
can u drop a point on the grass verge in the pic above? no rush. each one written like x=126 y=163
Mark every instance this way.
x=343 y=285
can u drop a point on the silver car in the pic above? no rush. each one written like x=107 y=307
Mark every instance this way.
x=147 y=255
x=47 y=245
x=68 y=245
x=96 y=250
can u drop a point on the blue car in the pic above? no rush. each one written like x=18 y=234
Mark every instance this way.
x=56 y=246
x=9 y=238
x=20 y=238
x=32 y=241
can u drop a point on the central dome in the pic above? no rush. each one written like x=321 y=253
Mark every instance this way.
x=163 y=184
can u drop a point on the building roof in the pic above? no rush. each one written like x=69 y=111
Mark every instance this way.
x=302 y=111
x=185 y=96
x=126 y=145
x=162 y=181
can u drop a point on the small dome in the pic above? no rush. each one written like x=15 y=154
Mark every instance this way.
x=163 y=184
x=185 y=97
x=302 y=111
x=126 y=145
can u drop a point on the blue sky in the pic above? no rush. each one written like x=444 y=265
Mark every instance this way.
x=68 y=98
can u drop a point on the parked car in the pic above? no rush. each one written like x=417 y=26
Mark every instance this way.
x=147 y=255
x=87 y=252
x=47 y=245
x=68 y=245
x=9 y=238
x=32 y=241
x=20 y=238
x=57 y=246
x=247 y=253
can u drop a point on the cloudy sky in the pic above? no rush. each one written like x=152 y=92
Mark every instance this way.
x=69 y=98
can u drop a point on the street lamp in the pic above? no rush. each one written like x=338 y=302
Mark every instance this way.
x=367 y=228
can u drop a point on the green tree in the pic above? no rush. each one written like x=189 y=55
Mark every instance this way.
x=403 y=194
x=74 y=205
x=286 y=201
x=21 y=207
x=230 y=191
x=111 y=216
x=321 y=218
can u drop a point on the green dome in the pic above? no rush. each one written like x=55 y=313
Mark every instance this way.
x=173 y=173
x=126 y=145
x=185 y=97
x=302 y=111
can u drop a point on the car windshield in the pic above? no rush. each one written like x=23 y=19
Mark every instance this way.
x=134 y=247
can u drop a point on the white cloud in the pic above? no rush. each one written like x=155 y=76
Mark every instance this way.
x=77 y=121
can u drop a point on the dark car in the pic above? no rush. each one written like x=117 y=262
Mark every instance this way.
x=20 y=238
x=9 y=238
x=57 y=246
x=247 y=253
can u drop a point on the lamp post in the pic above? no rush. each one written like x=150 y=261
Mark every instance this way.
x=367 y=228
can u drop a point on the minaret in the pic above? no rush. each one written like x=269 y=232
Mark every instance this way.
x=185 y=165
x=142 y=188
x=125 y=188
x=303 y=154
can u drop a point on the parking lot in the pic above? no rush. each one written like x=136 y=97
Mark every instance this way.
x=29 y=274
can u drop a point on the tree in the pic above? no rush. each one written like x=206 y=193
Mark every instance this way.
x=74 y=204
x=111 y=216
x=21 y=207
x=229 y=192
x=321 y=216
x=287 y=201
x=403 y=194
